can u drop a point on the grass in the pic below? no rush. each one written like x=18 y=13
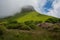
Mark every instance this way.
x=33 y=16
x=27 y=35
x=27 y=16
x=31 y=35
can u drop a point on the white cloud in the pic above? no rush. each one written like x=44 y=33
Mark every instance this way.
x=38 y=5
x=10 y=7
x=54 y=12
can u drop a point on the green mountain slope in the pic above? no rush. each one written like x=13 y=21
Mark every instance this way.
x=27 y=13
x=26 y=26
x=32 y=16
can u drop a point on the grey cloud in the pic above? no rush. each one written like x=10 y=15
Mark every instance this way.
x=10 y=7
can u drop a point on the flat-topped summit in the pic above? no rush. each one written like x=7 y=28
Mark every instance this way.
x=27 y=8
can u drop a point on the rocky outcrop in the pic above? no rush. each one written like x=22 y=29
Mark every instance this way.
x=27 y=8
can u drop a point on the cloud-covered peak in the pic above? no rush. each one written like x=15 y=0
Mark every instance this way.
x=47 y=7
x=10 y=7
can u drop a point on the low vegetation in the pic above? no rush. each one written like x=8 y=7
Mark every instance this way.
x=31 y=30
x=30 y=26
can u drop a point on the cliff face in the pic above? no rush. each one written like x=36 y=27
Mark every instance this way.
x=27 y=9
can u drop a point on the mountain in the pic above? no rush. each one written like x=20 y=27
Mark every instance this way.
x=26 y=25
x=32 y=16
x=27 y=13
x=27 y=9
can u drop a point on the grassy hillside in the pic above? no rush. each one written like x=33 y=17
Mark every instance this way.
x=27 y=14
x=32 y=16
x=23 y=26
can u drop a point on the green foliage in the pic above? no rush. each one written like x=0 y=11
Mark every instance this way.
x=12 y=24
x=56 y=28
x=53 y=20
x=37 y=22
x=31 y=24
x=24 y=27
x=12 y=21
x=32 y=16
x=16 y=25
x=2 y=30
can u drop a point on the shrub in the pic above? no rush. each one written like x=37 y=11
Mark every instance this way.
x=12 y=21
x=28 y=22
x=37 y=22
x=20 y=26
x=2 y=30
x=23 y=27
x=13 y=26
x=56 y=28
x=32 y=26
x=53 y=20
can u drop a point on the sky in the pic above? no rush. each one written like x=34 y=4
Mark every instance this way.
x=10 y=7
x=47 y=7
